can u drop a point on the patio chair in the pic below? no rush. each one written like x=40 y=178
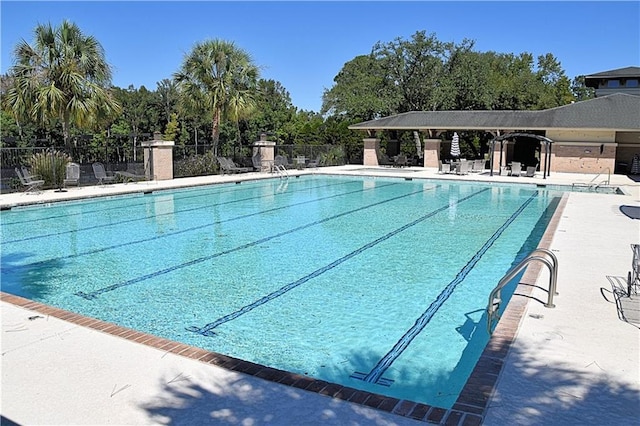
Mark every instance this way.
x=464 y=167
x=101 y=174
x=256 y=161
x=314 y=163
x=32 y=185
x=516 y=169
x=132 y=174
x=280 y=161
x=530 y=172
x=478 y=166
x=400 y=160
x=300 y=162
x=444 y=168
x=383 y=160
x=72 y=175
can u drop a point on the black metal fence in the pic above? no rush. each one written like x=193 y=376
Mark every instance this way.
x=188 y=160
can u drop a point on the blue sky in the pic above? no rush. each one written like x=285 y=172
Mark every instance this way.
x=303 y=45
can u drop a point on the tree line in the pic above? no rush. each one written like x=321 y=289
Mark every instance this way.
x=59 y=93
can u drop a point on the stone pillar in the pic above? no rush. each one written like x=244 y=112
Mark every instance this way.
x=371 y=150
x=432 y=153
x=158 y=158
x=266 y=150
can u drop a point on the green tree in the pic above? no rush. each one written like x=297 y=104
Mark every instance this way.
x=167 y=92
x=580 y=90
x=415 y=70
x=172 y=129
x=274 y=112
x=467 y=80
x=220 y=79
x=63 y=76
x=555 y=86
x=360 y=92
x=139 y=112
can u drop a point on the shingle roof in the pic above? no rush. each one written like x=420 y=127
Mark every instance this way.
x=620 y=72
x=618 y=111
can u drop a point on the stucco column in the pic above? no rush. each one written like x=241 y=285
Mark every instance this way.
x=371 y=150
x=158 y=158
x=266 y=150
x=432 y=153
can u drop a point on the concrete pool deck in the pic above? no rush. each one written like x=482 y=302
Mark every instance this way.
x=577 y=363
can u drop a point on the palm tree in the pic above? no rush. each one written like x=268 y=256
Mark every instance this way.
x=220 y=79
x=64 y=75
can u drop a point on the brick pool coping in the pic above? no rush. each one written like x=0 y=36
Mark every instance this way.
x=468 y=410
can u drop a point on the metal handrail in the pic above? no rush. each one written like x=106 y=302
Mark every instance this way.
x=592 y=183
x=495 y=296
x=281 y=171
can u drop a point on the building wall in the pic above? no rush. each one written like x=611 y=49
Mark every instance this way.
x=583 y=151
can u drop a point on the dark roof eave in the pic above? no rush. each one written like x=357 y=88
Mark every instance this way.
x=618 y=111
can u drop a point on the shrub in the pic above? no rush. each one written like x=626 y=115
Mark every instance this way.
x=196 y=165
x=50 y=166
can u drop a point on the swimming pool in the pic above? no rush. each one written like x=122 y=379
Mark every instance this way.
x=375 y=283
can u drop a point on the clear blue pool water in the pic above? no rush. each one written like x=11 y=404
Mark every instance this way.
x=374 y=283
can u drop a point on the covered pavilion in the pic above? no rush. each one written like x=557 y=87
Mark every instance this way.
x=592 y=136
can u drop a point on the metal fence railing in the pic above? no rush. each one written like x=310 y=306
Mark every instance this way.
x=187 y=160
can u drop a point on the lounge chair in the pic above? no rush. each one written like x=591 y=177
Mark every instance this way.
x=131 y=174
x=72 y=175
x=228 y=166
x=516 y=169
x=101 y=174
x=31 y=184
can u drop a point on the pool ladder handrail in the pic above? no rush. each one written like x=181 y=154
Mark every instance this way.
x=540 y=254
x=281 y=171
x=592 y=184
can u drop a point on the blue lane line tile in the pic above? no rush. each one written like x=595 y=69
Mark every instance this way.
x=7 y=269
x=375 y=375
x=96 y=293
x=207 y=330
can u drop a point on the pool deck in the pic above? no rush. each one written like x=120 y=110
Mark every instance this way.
x=575 y=364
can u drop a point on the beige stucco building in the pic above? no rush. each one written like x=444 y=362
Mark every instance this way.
x=594 y=136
